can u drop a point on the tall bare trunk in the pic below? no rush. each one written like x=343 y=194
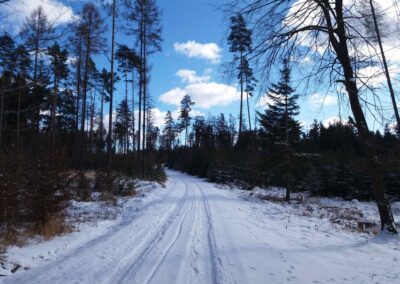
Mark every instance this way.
x=133 y=111
x=338 y=39
x=110 y=120
x=101 y=117
x=127 y=113
x=385 y=65
x=35 y=79
x=82 y=146
x=53 y=110
x=248 y=110
x=241 y=97
x=144 y=90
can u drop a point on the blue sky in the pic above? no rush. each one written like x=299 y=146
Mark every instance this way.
x=193 y=53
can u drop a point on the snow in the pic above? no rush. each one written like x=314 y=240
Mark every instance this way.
x=196 y=232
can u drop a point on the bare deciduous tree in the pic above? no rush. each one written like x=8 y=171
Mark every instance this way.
x=323 y=29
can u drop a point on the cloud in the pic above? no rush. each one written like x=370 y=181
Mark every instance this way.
x=332 y=120
x=158 y=117
x=204 y=94
x=318 y=100
x=192 y=49
x=374 y=75
x=264 y=102
x=15 y=12
x=190 y=76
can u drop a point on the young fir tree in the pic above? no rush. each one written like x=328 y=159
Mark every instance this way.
x=169 y=131
x=278 y=124
x=240 y=40
x=184 y=117
x=121 y=126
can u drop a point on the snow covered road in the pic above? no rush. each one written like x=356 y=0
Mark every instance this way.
x=194 y=232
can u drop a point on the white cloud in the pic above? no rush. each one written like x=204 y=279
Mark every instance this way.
x=318 y=100
x=332 y=120
x=158 y=117
x=204 y=94
x=190 y=76
x=56 y=11
x=264 y=101
x=374 y=75
x=192 y=49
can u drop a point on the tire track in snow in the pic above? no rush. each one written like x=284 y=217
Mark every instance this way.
x=172 y=243
x=130 y=272
x=212 y=246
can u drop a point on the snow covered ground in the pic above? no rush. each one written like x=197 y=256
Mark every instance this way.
x=196 y=232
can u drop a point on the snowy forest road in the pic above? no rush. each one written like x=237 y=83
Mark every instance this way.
x=196 y=233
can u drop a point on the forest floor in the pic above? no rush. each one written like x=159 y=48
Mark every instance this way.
x=194 y=231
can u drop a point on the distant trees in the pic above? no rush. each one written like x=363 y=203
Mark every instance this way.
x=53 y=101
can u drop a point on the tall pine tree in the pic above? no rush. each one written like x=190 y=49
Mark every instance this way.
x=240 y=40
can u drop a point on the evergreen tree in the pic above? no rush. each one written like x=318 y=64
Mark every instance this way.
x=169 y=131
x=121 y=126
x=184 y=116
x=240 y=40
x=278 y=123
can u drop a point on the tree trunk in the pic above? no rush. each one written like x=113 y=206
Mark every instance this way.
x=82 y=147
x=101 y=121
x=144 y=94
x=1 y=113
x=127 y=113
x=288 y=154
x=19 y=118
x=241 y=97
x=338 y=39
x=92 y=109
x=248 y=111
x=389 y=81
x=53 y=110
x=110 y=119
x=37 y=38
x=133 y=111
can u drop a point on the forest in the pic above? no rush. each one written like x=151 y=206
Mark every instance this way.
x=59 y=117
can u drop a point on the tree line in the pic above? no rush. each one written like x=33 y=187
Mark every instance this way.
x=58 y=116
